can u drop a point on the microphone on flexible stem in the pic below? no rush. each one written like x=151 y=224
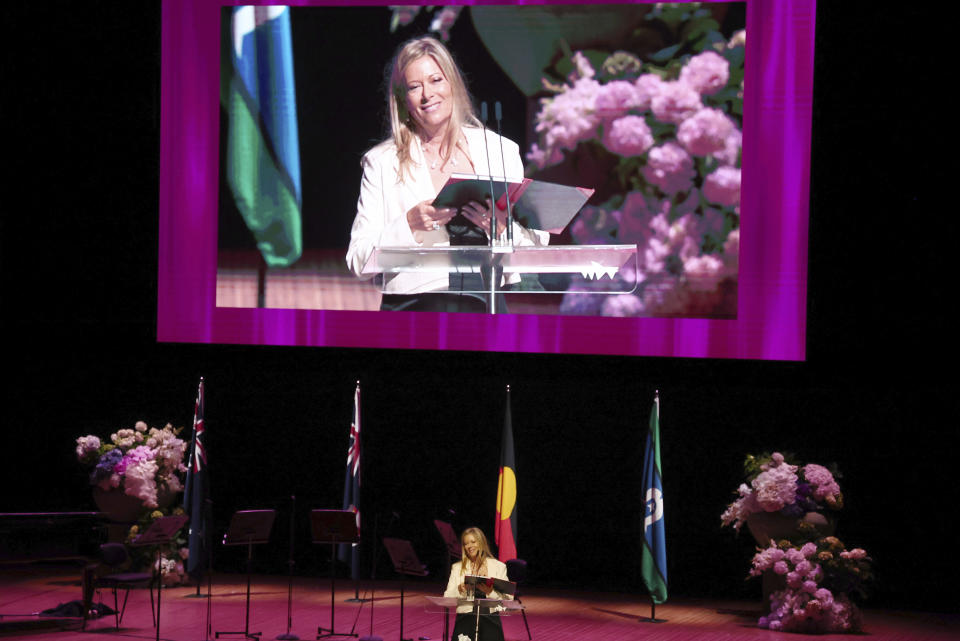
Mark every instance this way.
x=493 y=217
x=498 y=114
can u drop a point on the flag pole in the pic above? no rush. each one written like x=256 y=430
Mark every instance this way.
x=653 y=564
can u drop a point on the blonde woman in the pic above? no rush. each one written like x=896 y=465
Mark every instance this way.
x=433 y=134
x=476 y=560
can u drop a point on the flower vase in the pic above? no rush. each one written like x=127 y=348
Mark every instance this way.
x=118 y=506
x=767 y=526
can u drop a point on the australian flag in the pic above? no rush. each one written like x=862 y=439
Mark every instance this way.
x=196 y=493
x=351 y=485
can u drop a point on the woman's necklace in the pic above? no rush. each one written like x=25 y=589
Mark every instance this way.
x=452 y=161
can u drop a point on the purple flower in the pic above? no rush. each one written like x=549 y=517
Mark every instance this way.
x=104 y=467
x=780 y=567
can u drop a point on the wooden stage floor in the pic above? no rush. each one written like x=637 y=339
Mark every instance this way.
x=553 y=615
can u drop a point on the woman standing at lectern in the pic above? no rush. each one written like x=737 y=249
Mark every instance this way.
x=433 y=134
x=476 y=559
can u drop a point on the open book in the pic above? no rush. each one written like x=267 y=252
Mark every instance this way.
x=538 y=204
x=501 y=586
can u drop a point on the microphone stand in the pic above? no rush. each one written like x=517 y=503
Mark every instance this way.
x=373 y=575
x=498 y=114
x=289 y=636
x=493 y=214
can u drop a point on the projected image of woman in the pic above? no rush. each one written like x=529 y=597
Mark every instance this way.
x=434 y=133
x=476 y=560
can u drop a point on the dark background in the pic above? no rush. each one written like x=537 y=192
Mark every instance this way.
x=876 y=394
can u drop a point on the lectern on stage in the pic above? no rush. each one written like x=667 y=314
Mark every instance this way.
x=497 y=268
x=333 y=527
x=248 y=527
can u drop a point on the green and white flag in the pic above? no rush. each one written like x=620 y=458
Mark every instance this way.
x=263 y=150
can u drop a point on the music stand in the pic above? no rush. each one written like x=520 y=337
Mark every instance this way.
x=248 y=527
x=405 y=562
x=333 y=527
x=450 y=540
x=158 y=533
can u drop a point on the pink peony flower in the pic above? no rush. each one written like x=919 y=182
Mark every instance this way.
x=616 y=98
x=675 y=102
x=670 y=168
x=569 y=117
x=705 y=132
x=647 y=86
x=621 y=306
x=723 y=187
x=730 y=154
x=780 y=567
x=824 y=485
x=628 y=136
x=544 y=157
x=707 y=72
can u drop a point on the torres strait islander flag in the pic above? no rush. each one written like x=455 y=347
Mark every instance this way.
x=653 y=562
x=505 y=531
x=263 y=149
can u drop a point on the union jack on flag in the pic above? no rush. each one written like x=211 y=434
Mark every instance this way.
x=196 y=493
x=351 y=484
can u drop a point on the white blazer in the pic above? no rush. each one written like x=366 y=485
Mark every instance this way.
x=495 y=568
x=381 y=219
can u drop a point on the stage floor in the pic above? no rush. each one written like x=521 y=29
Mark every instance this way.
x=553 y=615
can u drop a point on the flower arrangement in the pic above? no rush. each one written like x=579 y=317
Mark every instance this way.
x=172 y=555
x=141 y=462
x=668 y=130
x=819 y=578
x=145 y=463
x=775 y=486
x=809 y=578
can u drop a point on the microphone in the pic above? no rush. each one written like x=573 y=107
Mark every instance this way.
x=493 y=199
x=498 y=114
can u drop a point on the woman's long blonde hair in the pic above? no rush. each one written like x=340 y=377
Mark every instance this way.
x=402 y=126
x=482 y=555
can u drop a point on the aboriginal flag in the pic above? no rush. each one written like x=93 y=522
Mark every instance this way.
x=505 y=531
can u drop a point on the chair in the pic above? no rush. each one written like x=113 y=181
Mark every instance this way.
x=517 y=573
x=115 y=556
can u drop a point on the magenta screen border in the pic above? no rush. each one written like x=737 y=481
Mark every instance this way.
x=771 y=314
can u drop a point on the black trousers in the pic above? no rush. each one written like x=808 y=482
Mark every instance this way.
x=491 y=629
